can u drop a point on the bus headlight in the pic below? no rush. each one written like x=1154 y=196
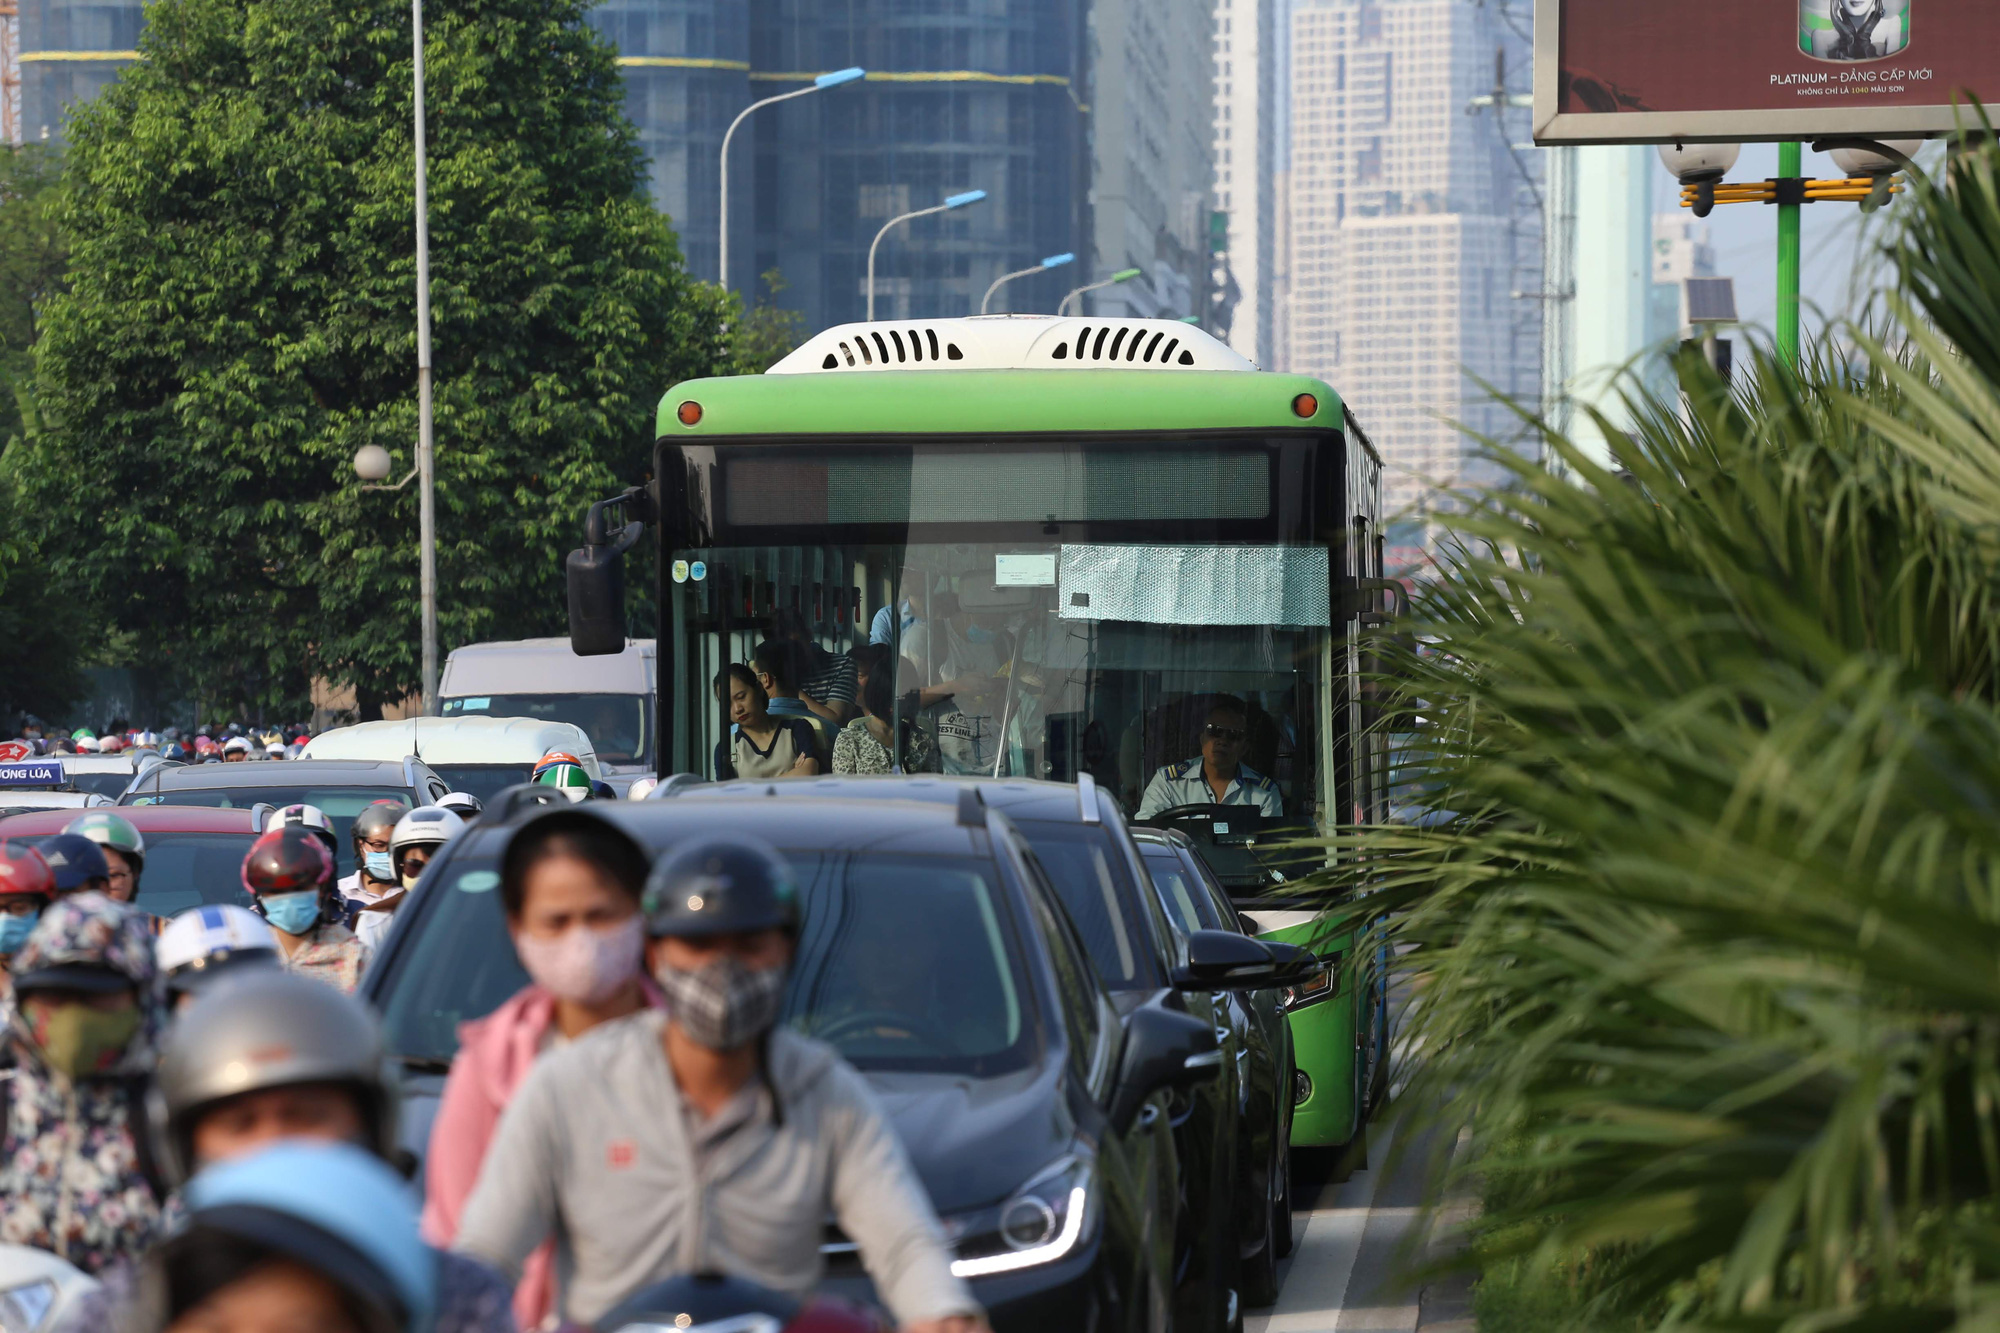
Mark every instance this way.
x=1321 y=985
x=1039 y=1223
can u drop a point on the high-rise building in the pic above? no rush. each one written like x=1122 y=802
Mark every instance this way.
x=1411 y=232
x=1152 y=170
x=1246 y=163
x=68 y=53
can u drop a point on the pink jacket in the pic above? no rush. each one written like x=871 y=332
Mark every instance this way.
x=494 y=1056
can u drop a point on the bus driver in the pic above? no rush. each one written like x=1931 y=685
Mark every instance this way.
x=1218 y=776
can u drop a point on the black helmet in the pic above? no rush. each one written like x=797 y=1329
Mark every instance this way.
x=721 y=886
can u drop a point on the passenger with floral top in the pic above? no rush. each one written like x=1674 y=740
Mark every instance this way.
x=80 y=1031
x=865 y=745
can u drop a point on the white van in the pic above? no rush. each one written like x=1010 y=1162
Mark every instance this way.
x=478 y=755
x=610 y=697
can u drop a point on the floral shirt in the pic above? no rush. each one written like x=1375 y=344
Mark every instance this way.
x=856 y=750
x=331 y=954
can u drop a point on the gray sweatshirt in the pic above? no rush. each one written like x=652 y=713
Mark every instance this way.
x=597 y=1150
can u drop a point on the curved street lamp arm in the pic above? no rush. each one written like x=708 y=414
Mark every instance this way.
x=916 y=213
x=1006 y=278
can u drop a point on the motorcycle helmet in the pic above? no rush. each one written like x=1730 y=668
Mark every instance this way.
x=205 y=944
x=720 y=886
x=114 y=832
x=267 y=1028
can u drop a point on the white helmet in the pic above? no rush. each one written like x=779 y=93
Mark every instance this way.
x=236 y=745
x=641 y=788
x=204 y=943
x=463 y=804
x=87 y=745
x=307 y=816
x=425 y=826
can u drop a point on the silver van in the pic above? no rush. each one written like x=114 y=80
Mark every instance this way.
x=610 y=697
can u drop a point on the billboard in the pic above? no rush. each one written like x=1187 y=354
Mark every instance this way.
x=1653 y=71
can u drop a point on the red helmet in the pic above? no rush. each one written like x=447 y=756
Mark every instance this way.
x=289 y=859
x=23 y=872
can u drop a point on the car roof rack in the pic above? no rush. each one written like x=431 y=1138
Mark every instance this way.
x=1086 y=793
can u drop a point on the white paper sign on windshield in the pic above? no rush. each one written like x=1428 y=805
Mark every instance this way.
x=1024 y=569
x=1195 y=585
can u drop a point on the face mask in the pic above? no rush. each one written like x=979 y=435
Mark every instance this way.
x=293 y=913
x=378 y=866
x=725 y=1004
x=584 y=965
x=410 y=880
x=79 y=1041
x=14 y=931
x=979 y=634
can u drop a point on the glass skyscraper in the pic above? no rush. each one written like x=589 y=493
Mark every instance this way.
x=69 y=52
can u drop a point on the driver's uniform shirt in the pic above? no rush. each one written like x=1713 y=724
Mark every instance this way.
x=1183 y=784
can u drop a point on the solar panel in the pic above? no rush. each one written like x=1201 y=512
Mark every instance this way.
x=1711 y=300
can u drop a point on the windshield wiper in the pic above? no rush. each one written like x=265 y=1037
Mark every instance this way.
x=424 y=1064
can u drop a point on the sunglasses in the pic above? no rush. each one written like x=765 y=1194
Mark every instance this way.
x=1215 y=733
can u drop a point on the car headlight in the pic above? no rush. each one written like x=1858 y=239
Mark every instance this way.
x=1319 y=986
x=23 y=1308
x=1039 y=1223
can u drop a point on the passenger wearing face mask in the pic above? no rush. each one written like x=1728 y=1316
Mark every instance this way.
x=418 y=836
x=289 y=875
x=706 y=1138
x=374 y=876
x=27 y=887
x=77 y=1037
x=570 y=885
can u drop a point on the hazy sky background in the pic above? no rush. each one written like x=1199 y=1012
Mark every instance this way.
x=1839 y=263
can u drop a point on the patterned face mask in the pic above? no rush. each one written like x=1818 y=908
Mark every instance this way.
x=724 y=1005
x=79 y=1041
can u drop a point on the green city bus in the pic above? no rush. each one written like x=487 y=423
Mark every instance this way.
x=1093 y=529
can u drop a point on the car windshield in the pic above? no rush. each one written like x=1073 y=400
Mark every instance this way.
x=615 y=723
x=954 y=1001
x=104 y=784
x=341 y=804
x=185 y=870
x=483 y=780
x=1187 y=903
x=1097 y=891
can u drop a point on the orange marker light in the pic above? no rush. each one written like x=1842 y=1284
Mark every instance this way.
x=1305 y=405
x=689 y=413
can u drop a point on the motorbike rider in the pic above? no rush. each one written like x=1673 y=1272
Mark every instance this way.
x=27 y=887
x=205 y=944
x=235 y=750
x=570 y=885
x=289 y=874
x=735 y=1170
x=566 y=773
x=78 y=862
x=414 y=841
x=266 y=1056
x=374 y=876
x=304 y=1236
x=463 y=804
x=81 y=1027
x=124 y=850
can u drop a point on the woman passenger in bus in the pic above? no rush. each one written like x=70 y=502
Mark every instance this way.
x=866 y=744
x=759 y=745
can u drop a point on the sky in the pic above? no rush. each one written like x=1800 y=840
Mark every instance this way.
x=1838 y=243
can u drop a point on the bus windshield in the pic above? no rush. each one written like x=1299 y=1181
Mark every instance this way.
x=1173 y=674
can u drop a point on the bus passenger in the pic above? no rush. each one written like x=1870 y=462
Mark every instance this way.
x=864 y=745
x=1218 y=775
x=760 y=745
x=884 y=628
x=826 y=685
x=780 y=665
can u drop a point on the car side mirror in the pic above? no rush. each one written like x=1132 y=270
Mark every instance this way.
x=1219 y=960
x=1164 y=1049
x=597 y=584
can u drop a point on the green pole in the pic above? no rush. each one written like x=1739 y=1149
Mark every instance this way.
x=1789 y=165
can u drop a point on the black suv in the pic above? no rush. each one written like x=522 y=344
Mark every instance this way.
x=1078 y=834
x=936 y=958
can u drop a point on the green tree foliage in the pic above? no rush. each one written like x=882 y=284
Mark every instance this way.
x=1707 y=931
x=31 y=271
x=761 y=336
x=242 y=320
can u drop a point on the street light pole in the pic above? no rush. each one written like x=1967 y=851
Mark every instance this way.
x=1053 y=261
x=426 y=462
x=833 y=80
x=956 y=201
x=1076 y=294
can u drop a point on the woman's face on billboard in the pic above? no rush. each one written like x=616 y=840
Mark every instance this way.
x=1857 y=8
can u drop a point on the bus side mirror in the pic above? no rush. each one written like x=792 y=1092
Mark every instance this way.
x=597 y=586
